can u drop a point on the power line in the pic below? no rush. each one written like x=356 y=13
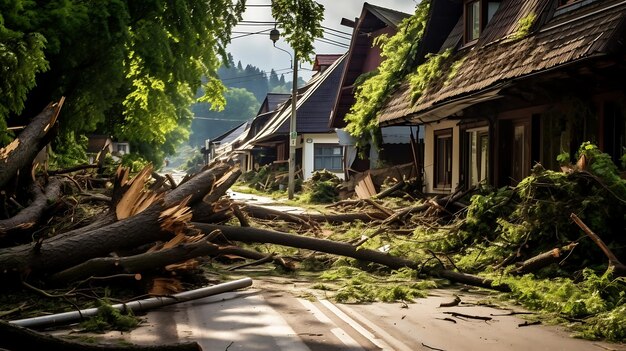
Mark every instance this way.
x=338 y=36
x=330 y=41
x=337 y=31
x=325 y=41
x=218 y=119
x=247 y=34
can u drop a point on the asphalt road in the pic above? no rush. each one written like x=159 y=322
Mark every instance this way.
x=282 y=315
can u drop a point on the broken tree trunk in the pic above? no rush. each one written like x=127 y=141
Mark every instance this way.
x=148 y=261
x=69 y=249
x=31 y=215
x=619 y=269
x=342 y=249
x=544 y=259
x=22 y=151
x=18 y=338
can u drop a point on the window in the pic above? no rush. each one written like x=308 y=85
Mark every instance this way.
x=328 y=157
x=443 y=159
x=472 y=20
x=478 y=156
x=520 y=160
x=122 y=148
x=477 y=14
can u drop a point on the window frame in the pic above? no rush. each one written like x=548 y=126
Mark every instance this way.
x=481 y=133
x=317 y=146
x=446 y=182
x=483 y=8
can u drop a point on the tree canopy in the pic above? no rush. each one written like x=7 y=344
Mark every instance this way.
x=127 y=68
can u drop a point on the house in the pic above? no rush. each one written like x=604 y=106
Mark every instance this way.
x=317 y=144
x=247 y=155
x=98 y=144
x=364 y=57
x=223 y=144
x=521 y=82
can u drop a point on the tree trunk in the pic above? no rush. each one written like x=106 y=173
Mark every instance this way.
x=542 y=260
x=22 y=151
x=70 y=249
x=31 y=215
x=342 y=249
x=17 y=338
x=148 y=261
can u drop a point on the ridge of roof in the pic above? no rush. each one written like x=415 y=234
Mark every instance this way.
x=390 y=16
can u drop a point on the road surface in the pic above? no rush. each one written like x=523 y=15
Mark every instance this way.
x=279 y=314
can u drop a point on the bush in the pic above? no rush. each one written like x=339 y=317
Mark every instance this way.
x=321 y=188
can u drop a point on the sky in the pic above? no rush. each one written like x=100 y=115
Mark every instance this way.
x=257 y=49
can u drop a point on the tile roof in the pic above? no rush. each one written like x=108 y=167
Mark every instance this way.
x=495 y=60
x=313 y=107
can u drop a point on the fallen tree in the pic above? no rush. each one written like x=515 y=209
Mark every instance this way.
x=344 y=249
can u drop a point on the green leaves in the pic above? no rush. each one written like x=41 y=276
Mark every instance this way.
x=300 y=23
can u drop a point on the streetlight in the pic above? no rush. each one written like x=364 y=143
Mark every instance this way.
x=293 y=134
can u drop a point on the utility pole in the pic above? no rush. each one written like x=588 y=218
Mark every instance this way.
x=293 y=134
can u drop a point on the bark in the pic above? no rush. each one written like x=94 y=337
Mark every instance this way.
x=140 y=263
x=342 y=249
x=222 y=185
x=383 y=194
x=31 y=215
x=72 y=169
x=268 y=213
x=18 y=338
x=619 y=269
x=544 y=259
x=338 y=218
x=22 y=151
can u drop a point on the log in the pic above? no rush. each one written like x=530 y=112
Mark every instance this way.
x=544 y=259
x=21 y=152
x=619 y=269
x=343 y=249
x=140 y=263
x=70 y=249
x=383 y=194
x=338 y=218
x=18 y=338
x=31 y=215
x=72 y=169
x=262 y=212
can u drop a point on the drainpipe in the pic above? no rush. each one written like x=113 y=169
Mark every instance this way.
x=135 y=306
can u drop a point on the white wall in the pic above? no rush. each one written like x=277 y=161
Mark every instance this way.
x=429 y=155
x=308 y=149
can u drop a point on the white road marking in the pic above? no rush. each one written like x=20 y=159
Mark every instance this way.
x=338 y=332
x=371 y=337
x=397 y=344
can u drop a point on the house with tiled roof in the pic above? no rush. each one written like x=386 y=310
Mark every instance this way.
x=364 y=56
x=317 y=146
x=521 y=82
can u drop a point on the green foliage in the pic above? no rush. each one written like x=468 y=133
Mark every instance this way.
x=109 y=318
x=321 y=188
x=241 y=105
x=524 y=26
x=427 y=72
x=359 y=286
x=399 y=55
x=300 y=22
x=600 y=299
x=21 y=59
x=134 y=162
